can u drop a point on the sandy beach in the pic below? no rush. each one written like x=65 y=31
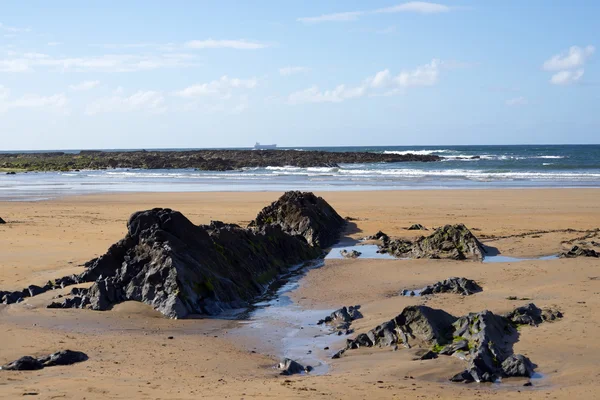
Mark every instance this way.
x=130 y=355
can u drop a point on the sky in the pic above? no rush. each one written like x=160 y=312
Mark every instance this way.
x=197 y=74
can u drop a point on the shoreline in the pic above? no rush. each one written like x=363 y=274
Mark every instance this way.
x=52 y=238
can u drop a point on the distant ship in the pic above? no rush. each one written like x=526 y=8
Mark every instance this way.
x=258 y=146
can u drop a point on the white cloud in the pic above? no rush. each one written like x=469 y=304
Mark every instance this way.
x=569 y=65
x=86 y=85
x=240 y=44
x=55 y=102
x=517 y=101
x=221 y=87
x=420 y=7
x=575 y=57
x=150 y=101
x=103 y=63
x=336 y=17
x=290 y=70
x=566 y=77
x=382 y=83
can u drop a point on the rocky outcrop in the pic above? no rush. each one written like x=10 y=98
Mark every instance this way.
x=28 y=363
x=580 y=251
x=340 y=320
x=454 y=242
x=303 y=214
x=484 y=338
x=462 y=286
x=350 y=253
x=181 y=269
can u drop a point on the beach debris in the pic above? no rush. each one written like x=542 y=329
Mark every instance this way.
x=350 y=253
x=580 y=251
x=291 y=367
x=454 y=242
x=341 y=319
x=28 y=363
x=484 y=339
x=462 y=286
x=417 y=227
x=180 y=268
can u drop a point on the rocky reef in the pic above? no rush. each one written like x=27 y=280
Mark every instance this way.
x=206 y=160
x=181 y=269
x=484 y=339
x=462 y=286
x=454 y=242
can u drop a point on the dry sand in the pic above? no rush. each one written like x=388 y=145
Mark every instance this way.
x=132 y=357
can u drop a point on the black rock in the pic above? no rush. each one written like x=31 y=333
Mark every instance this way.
x=65 y=357
x=517 y=365
x=291 y=367
x=417 y=227
x=2 y=221
x=529 y=314
x=34 y=290
x=463 y=286
x=580 y=251
x=26 y=363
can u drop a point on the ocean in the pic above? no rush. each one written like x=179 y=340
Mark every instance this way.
x=518 y=166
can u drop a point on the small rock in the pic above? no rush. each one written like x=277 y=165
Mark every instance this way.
x=350 y=254
x=291 y=367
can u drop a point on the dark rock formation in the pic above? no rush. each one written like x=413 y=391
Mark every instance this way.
x=291 y=367
x=341 y=319
x=180 y=268
x=484 y=338
x=214 y=160
x=378 y=236
x=350 y=254
x=580 y=251
x=463 y=286
x=417 y=227
x=28 y=363
x=451 y=241
x=2 y=221
x=303 y=214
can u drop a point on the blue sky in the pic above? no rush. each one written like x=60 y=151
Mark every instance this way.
x=144 y=74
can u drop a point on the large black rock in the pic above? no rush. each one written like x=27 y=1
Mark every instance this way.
x=180 y=268
x=28 y=363
x=303 y=214
x=2 y=221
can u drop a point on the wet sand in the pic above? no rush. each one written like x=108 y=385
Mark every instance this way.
x=132 y=357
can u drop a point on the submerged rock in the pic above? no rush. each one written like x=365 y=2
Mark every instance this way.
x=463 y=286
x=484 y=339
x=291 y=367
x=303 y=214
x=350 y=254
x=341 y=319
x=451 y=241
x=580 y=251
x=28 y=363
x=180 y=268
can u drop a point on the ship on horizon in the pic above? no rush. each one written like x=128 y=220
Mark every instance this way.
x=258 y=146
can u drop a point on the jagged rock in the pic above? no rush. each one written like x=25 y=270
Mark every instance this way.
x=451 y=241
x=517 y=365
x=463 y=286
x=291 y=367
x=74 y=302
x=350 y=254
x=28 y=363
x=529 y=314
x=486 y=339
x=12 y=297
x=378 y=236
x=579 y=251
x=417 y=227
x=33 y=290
x=341 y=319
x=2 y=222
x=303 y=214
x=180 y=268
